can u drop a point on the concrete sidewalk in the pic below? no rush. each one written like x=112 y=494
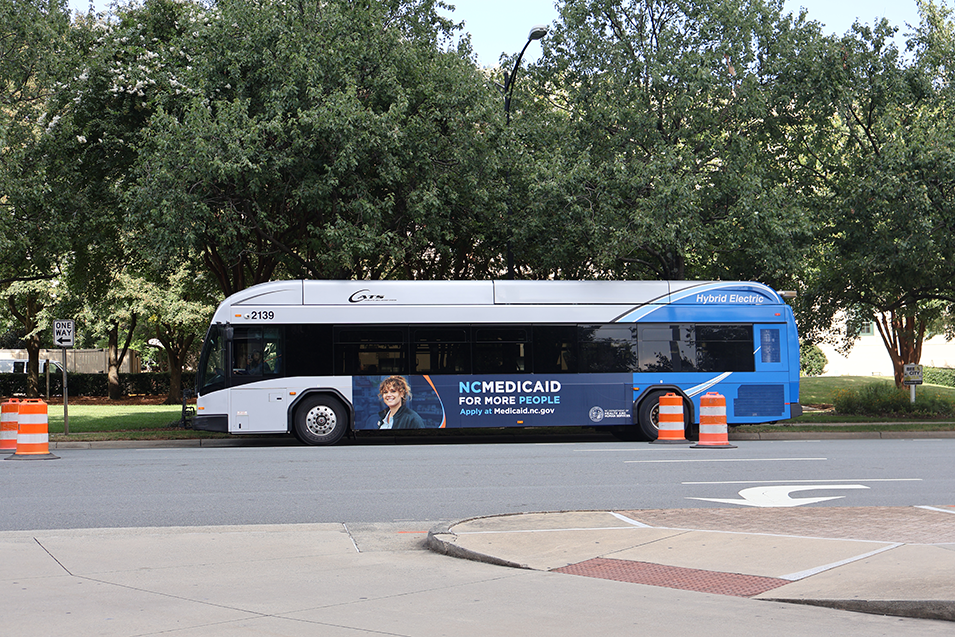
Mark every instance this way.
x=302 y=580
x=891 y=561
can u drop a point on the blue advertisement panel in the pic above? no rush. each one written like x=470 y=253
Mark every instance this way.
x=416 y=402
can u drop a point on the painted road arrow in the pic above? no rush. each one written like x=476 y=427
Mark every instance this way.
x=778 y=496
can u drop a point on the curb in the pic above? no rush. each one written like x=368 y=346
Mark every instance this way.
x=841 y=435
x=436 y=542
x=915 y=609
x=290 y=441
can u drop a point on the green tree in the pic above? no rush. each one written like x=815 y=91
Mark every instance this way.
x=326 y=140
x=32 y=39
x=175 y=312
x=885 y=178
x=672 y=116
x=123 y=69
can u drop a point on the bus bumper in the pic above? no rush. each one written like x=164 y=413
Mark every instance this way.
x=215 y=422
x=795 y=410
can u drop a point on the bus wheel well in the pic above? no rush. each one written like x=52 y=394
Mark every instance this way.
x=647 y=407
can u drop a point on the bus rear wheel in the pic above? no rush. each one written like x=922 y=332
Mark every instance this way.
x=320 y=420
x=648 y=416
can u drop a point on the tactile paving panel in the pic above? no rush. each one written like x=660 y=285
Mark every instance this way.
x=687 y=579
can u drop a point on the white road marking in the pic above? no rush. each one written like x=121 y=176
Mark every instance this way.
x=922 y=506
x=724 y=460
x=811 y=481
x=794 y=577
x=629 y=520
x=778 y=496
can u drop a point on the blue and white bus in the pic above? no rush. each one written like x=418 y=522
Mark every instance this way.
x=313 y=358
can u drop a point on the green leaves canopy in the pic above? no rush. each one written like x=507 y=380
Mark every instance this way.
x=324 y=140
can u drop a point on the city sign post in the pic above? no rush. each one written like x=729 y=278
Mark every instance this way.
x=912 y=376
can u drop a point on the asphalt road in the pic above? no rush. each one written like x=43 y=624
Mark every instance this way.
x=102 y=488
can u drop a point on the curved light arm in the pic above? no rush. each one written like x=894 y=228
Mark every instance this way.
x=536 y=33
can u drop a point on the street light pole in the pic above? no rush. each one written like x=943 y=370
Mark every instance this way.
x=536 y=33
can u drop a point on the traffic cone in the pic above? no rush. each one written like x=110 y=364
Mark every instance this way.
x=33 y=438
x=8 y=426
x=713 y=429
x=670 y=420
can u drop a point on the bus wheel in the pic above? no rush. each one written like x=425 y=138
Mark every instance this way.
x=320 y=420
x=649 y=416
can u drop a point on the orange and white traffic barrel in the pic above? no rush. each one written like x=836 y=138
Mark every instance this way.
x=33 y=436
x=9 y=425
x=670 y=420
x=713 y=429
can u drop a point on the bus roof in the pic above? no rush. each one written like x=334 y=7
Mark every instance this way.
x=458 y=293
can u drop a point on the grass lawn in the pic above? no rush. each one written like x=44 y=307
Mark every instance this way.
x=121 y=421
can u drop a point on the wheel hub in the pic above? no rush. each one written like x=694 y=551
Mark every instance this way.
x=321 y=420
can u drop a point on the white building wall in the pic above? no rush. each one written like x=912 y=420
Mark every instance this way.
x=870 y=358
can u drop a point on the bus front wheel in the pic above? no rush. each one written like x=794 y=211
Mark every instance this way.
x=320 y=420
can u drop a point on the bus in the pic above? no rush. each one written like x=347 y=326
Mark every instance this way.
x=315 y=358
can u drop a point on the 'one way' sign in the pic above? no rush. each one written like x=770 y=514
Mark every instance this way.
x=63 y=331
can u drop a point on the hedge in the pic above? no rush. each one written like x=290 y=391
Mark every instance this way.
x=151 y=384
x=939 y=376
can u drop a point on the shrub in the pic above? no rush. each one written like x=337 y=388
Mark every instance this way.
x=151 y=384
x=812 y=360
x=884 y=399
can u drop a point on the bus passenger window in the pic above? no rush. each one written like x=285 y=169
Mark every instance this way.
x=555 y=349
x=656 y=348
x=500 y=350
x=441 y=350
x=607 y=348
x=369 y=351
x=725 y=348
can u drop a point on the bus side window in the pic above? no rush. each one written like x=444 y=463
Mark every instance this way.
x=307 y=352
x=501 y=350
x=725 y=348
x=441 y=350
x=365 y=350
x=607 y=348
x=555 y=349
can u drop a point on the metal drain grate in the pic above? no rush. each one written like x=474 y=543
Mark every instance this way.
x=687 y=579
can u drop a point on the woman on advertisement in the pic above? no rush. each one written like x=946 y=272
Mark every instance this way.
x=394 y=392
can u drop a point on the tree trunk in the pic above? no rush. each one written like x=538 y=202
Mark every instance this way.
x=115 y=357
x=28 y=319
x=175 y=378
x=902 y=337
x=177 y=348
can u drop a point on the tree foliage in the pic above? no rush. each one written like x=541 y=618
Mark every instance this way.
x=884 y=165
x=672 y=119
x=324 y=140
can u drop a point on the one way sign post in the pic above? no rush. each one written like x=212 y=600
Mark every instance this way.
x=64 y=332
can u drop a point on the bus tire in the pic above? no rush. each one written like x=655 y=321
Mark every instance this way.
x=648 y=416
x=320 y=420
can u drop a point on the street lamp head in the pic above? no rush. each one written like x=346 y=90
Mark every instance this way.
x=537 y=32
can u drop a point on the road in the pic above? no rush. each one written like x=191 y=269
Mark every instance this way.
x=362 y=483
x=335 y=544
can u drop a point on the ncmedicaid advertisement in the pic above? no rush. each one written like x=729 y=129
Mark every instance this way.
x=492 y=401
